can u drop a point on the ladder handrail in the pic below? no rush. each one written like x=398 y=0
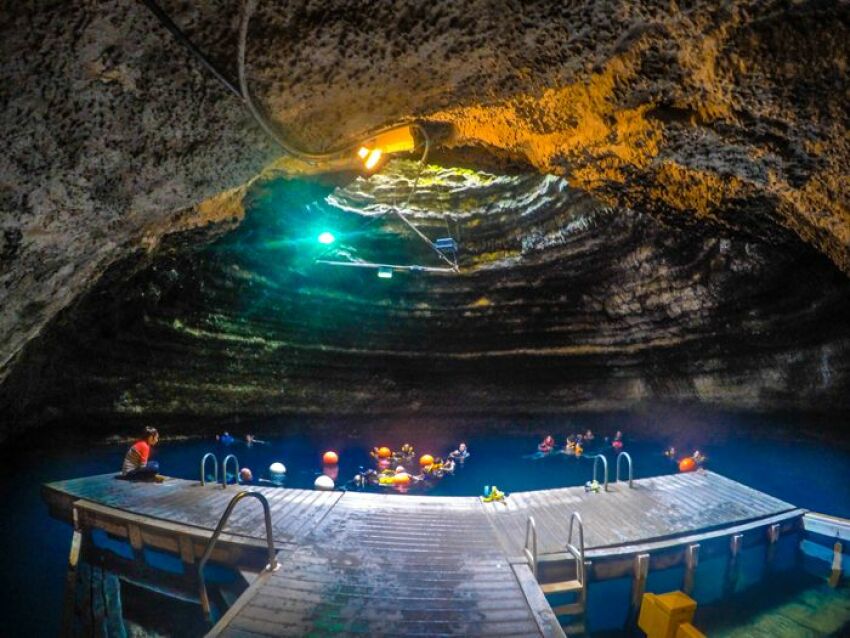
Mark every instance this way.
x=224 y=470
x=628 y=458
x=577 y=552
x=531 y=555
x=204 y=466
x=604 y=466
x=272 y=566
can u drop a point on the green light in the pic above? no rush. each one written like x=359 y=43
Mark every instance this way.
x=326 y=238
x=385 y=272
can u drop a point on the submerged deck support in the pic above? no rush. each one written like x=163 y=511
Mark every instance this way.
x=640 y=573
x=71 y=574
x=691 y=562
x=732 y=566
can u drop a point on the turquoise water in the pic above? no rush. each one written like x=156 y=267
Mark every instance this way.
x=780 y=457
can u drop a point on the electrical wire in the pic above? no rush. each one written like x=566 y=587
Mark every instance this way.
x=243 y=93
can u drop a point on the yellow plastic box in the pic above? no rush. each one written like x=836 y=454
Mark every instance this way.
x=661 y=615
x=687 y=630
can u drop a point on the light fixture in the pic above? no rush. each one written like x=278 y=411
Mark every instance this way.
x=326 y=238
x=397 y=140
x=385 y=272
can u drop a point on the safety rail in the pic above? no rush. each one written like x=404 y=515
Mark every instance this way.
x=272 y=566
x=224 y=470
x=620 y=457
x=208 y=455
x=596 y=460
x=531 y=553
x=578 y=553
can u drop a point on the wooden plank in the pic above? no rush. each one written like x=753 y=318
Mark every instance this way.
x=546 y=620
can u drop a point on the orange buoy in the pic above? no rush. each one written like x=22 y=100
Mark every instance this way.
x=426 y=459
x=687 y=464
x=330 y=458
x=402 y=478
x=384 y=452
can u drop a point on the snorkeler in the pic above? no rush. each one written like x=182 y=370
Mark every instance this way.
x=137 y=465
x=460 y=454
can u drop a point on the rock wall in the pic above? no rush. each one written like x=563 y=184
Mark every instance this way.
x=715 y=133
x=562 y=304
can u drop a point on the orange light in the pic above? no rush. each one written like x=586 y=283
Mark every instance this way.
x=373 y=159
x=397 y=140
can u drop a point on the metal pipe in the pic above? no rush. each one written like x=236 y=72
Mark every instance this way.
x=604 y=466
x=272 y=566
x=629 y=460
x=531 y=529
x=224 y=470
x=208 y=455
x=374 y=266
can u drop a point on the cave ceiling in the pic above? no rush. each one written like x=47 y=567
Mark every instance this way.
x=650 y=200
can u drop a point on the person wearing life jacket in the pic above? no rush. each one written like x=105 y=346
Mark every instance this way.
x=137 y=465
x=547 y=444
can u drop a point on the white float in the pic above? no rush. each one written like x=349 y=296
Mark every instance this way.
x=277 y=468
x=324 y=482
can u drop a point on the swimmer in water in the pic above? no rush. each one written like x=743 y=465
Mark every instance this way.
x=588 y=436
x=245 y=475
x=547 y=444
x=670 y=452
x=460 y=454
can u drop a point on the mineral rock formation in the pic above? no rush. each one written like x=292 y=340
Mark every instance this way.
x=699 y=251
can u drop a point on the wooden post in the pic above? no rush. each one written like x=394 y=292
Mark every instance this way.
x=71 y=575
x=731 y=580
x=187 y=550
x=134 y=534
x=640 y=571
x=691 y=562
x=773 y=533
x=835 y=577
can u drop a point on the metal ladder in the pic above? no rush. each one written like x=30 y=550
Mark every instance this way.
x=596 y=459
x=577 y=585
x=620 y=457
x=272 y=565
x=210 y=455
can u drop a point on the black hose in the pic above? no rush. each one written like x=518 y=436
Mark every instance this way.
x=183 y=39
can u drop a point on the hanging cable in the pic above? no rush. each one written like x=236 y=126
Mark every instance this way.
x=243 y=93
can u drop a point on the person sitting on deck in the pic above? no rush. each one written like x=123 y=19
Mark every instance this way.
x=137 y=466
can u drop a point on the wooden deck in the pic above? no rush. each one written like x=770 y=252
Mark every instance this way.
x=373 y=564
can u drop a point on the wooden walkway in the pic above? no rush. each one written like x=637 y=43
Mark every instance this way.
x=403 y=565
